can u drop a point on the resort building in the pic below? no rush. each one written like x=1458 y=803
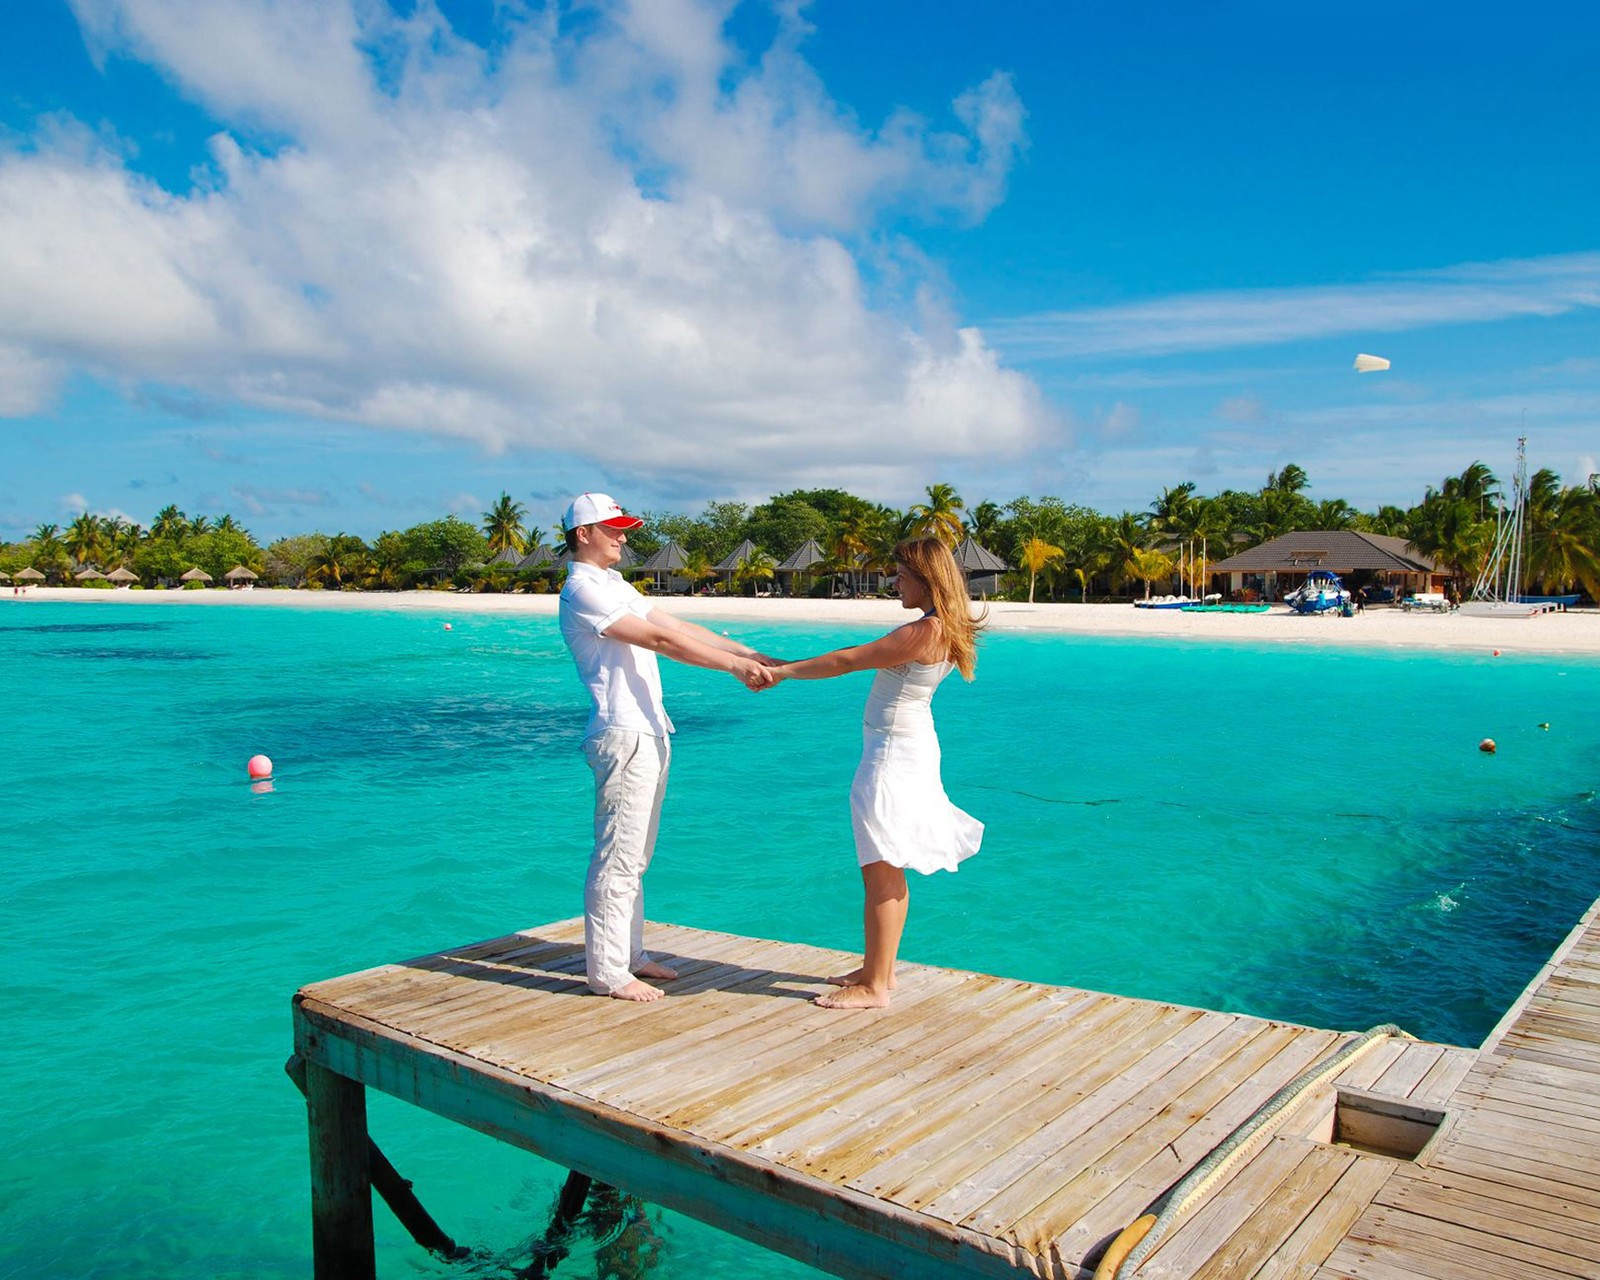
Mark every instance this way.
x=1389 y=567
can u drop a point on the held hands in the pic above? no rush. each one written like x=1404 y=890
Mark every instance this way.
x=751 y=673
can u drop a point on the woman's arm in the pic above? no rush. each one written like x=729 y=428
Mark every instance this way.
x=671 y=622
x=910 y=643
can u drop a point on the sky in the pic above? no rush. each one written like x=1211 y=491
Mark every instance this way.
x=348 y=265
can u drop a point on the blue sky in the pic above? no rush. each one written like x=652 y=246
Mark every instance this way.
x=348 y=266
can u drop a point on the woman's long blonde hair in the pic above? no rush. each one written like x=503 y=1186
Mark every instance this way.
x=931 y=561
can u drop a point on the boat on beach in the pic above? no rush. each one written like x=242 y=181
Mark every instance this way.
x=1176 y=602
x=1322 y=592
x=1498 y=590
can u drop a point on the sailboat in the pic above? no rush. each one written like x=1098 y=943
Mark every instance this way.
x=1498 y=590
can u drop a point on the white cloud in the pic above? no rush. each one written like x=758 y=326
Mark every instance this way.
x=631 y=247
x=1464 y=294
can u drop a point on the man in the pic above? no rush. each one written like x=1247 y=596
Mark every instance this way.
x=614 y=635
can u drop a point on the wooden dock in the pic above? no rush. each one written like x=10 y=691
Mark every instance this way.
x=982 y=1126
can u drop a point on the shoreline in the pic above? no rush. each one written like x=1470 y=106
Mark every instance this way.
x=1380 y=627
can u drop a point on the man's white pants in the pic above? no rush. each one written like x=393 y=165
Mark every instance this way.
x=630 y=781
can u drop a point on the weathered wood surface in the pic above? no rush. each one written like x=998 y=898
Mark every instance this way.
x=1511 y=1186
x=987 y=1126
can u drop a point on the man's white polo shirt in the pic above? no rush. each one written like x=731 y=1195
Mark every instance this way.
x=623 y=681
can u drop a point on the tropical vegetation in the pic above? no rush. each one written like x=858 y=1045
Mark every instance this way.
x=1056 y=550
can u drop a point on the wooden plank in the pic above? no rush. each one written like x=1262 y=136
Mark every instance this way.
x=1412 y=1236
x=1579 y=940
x=827 y=1227
x=1515 y=1170
x=753 y=1115
x=1248 y=1215
x=922 y=1170
x=1134 y=1150
x=1549 y=1224
x=841 y=1140
x=1322 y=1228
x=1107 y=1195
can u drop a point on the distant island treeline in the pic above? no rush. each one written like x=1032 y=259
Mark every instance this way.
x=1055 y=550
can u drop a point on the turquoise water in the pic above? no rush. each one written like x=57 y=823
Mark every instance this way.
x=1304 y=835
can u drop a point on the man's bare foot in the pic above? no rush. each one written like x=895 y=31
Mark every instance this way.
x=641 y=992
x=650 y=969
x=853 y=979
x=854 y=996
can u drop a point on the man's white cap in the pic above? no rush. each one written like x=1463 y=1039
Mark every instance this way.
x=598 y=508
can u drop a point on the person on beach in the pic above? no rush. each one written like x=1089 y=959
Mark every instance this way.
x=901 y=815
x=614 y=635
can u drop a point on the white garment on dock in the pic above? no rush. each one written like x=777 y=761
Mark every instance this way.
x=898 y=807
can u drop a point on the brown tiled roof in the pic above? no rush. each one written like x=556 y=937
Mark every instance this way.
x=1338 y=550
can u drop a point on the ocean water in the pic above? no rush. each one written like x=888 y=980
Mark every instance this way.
x=1297 y=834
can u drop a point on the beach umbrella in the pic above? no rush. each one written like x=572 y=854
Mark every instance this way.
x=196 y=574
x=122 y=574
x=4 y=576
x=1370 y=364
x=240 y=574
x=91 y=574
x=30 y=574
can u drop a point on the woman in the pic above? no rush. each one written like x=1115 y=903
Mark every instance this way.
x=901 y=815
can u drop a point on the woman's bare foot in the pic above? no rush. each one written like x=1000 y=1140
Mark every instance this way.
x=640 y=992
x=853 y=979
x=854 y=996
x=650 y=969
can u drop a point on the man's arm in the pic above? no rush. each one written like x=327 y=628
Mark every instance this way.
x=682 y=644
x=705 y=635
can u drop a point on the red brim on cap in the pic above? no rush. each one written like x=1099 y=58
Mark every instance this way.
x=623 y=522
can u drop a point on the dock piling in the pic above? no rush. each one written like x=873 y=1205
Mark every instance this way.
x=341 y=1185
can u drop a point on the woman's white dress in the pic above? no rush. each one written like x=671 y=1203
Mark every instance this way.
x=898 y=806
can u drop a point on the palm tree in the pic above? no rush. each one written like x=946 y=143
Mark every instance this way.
x=1564 y=535
x=852 y=541
x=1335 y=513
x=1448 y=529
x=983 y=521
x=502 y=523
x=169 y=523
x=1170 y=512
x=84 y=540
x=755 y=567
x=939 y=516
x=1291 y=479
x=48 y=537
x=199 y=525
x=1126 y=541
x=697 y=567
x=1147 y=564
x=1036 y=554
x=341 y=561
x=226 y=525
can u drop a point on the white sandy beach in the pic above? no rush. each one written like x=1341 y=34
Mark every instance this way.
x=1380 y=628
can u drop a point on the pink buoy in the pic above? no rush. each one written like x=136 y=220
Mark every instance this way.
x=259 y=767
x=447 y=626
x=1487 y=746
x=1497 y=653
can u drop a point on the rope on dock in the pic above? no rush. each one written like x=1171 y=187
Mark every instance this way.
x=1138 y=1240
